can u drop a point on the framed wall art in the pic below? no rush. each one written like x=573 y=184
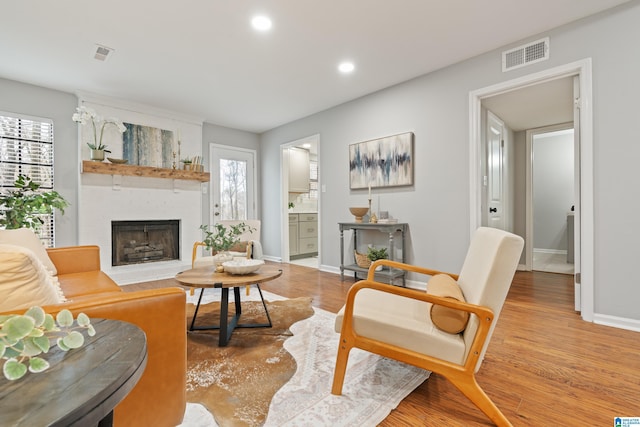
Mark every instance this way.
x=382 y=162
x=148 y=146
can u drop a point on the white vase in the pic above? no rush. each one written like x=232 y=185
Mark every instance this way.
x=221 y=257
x=96 y=155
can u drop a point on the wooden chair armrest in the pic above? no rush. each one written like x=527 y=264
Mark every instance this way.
x=478 y=310
x=484 y=314
x=195 y=252
x=406 y=267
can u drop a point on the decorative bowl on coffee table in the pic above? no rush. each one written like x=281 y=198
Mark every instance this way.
x=242 y=266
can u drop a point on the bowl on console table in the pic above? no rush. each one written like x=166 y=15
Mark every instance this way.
x=358 y=213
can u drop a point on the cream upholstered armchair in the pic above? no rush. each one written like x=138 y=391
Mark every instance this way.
x=249 y=244
x=402 y=324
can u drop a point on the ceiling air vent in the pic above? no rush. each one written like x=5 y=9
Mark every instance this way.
x=102 y=52
x=525 y=55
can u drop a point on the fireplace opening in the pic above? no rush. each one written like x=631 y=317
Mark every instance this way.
x=137 y=242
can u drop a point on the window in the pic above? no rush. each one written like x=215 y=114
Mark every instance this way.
x=313 y=179
x=26 y=147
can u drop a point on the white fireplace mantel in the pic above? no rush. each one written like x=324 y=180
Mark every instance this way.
x=140 y=196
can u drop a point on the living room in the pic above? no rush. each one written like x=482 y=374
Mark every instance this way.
x=435 y=107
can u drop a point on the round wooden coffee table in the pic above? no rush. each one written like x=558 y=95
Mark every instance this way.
x=207 y=277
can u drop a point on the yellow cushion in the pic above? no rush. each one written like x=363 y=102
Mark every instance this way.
x=27 y=238
x=444 y=318
x=24 y=281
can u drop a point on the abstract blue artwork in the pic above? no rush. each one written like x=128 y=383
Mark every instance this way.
x=382 y=162
x=148 y=146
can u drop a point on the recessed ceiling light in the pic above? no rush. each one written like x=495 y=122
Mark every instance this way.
x=346 y=67
x=261 y=23
x=306 y=145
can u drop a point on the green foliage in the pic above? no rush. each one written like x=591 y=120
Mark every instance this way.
x=99 y=146
x=374 y=254
x=222 y=238
x=24 y=206
x=25 y=337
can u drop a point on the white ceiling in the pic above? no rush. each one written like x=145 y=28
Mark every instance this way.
x=544 y=104
x=202 y=58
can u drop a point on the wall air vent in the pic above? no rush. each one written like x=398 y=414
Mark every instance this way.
x=527 y=54
x=102 y=52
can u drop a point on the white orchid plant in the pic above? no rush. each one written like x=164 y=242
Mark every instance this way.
x=85 y=115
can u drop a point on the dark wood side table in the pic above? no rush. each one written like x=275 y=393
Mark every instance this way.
x=207 y=277
x=82 y=386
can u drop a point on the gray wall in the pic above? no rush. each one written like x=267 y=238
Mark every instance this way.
x=16 y=97
x=552 y=189
x=520 y=186
x=435 y=107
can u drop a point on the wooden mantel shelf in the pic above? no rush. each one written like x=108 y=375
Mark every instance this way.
x=146 y=171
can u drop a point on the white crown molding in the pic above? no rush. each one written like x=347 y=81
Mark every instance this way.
x=137 y=107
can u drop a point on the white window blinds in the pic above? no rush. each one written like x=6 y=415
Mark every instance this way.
x=26 y=147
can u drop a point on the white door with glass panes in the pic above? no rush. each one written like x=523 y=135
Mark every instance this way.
x=232 y=183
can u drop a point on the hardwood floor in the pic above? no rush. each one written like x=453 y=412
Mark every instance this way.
x=544 y=366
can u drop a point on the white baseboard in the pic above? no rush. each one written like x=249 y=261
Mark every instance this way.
x=271 y=258
x=617 y=322
x=550 y=251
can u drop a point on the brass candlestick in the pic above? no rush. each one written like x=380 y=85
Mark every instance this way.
x=373 y=219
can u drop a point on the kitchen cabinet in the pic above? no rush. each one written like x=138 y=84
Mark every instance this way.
x=304 y=227
x=298 y=170
x=293 y=234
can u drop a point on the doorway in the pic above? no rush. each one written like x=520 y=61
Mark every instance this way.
x=584 y=234
x=300 y=208
x=550 y=197
x=233 y=183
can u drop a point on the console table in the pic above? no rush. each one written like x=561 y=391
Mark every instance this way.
x=391 y=230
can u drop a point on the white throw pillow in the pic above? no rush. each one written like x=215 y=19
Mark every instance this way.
x=24 y=280
x=27 y=238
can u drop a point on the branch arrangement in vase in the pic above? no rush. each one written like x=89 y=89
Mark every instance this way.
x=221 y=238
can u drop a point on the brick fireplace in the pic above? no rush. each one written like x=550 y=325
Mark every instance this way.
x=104 y=199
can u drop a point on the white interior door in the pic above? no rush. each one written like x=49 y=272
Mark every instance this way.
x=495 y=171
x=232 y=183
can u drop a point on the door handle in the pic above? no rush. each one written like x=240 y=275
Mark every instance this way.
x=493 y=210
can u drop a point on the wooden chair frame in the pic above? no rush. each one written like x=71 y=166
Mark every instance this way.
x=462 y=376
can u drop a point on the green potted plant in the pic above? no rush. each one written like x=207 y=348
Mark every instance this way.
x=374 y=254
x=24 y=206
x=84 y=115
x=24 y=337
x=186 y=163
x=221 y=238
